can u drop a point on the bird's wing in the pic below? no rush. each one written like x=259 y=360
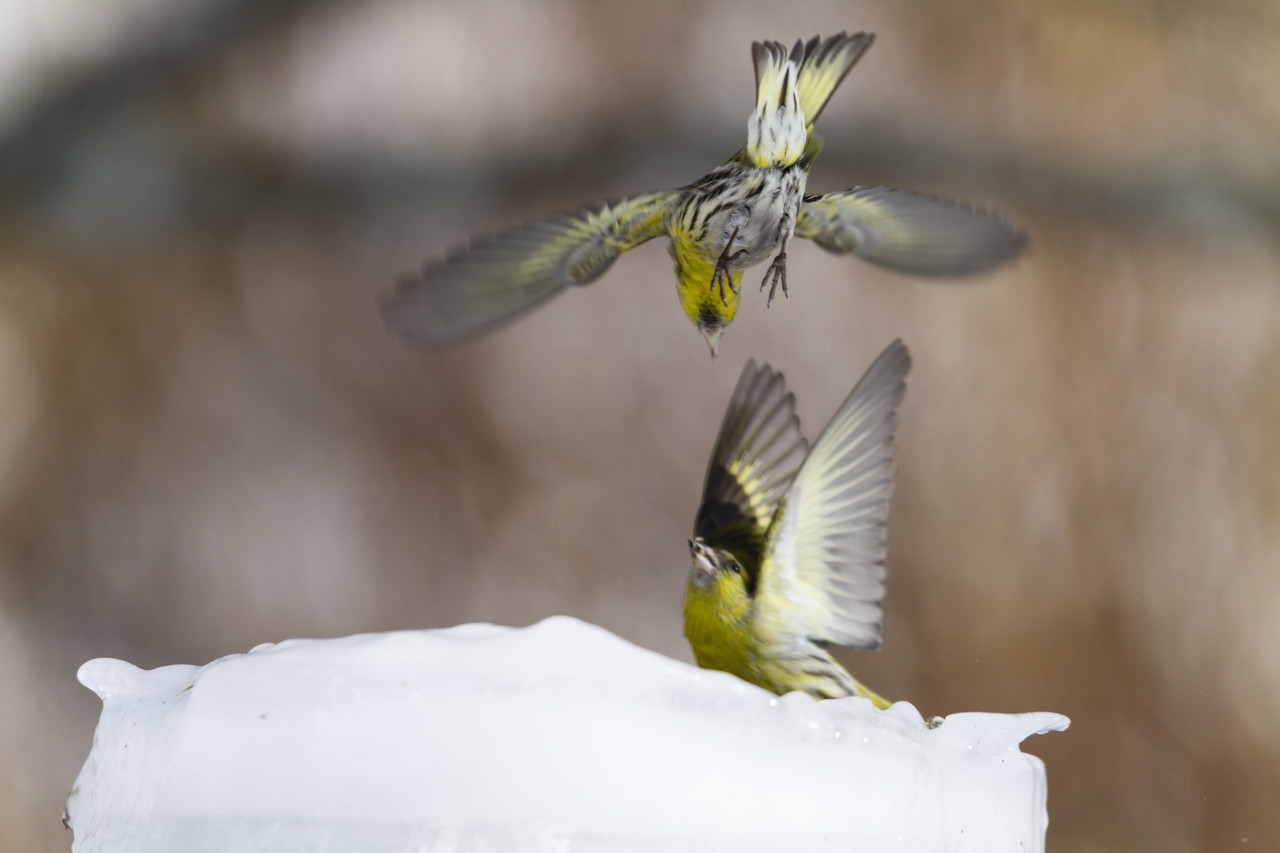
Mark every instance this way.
x=756 y=456
x=826 y=549
x=492 y=280
x=909 y=233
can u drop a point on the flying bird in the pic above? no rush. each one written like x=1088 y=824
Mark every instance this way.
x=736 y=217
x=789 y=542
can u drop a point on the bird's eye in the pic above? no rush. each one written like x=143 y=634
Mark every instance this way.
x=734 y=567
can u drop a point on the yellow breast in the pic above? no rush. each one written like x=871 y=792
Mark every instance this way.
x=726 y=633
x=717 y=625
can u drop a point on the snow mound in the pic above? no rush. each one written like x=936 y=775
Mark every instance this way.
x=556 y=737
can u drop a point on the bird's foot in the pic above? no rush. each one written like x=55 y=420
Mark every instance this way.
x=776 y=274
x=720 y=277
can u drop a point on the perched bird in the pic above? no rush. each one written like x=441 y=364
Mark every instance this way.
x=789 y=543
x=718 y=226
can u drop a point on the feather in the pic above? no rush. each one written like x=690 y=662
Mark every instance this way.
x=908 y=232
x=490 y=281
x=756 y=455
x=823 y=64
x=827 y=546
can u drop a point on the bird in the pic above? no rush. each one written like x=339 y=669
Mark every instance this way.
x=789 y=541
x=718 y=226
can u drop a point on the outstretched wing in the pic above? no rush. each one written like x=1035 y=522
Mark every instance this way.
x=826 y=551
x=909 y=233
x=492 y=280
x=756 y=456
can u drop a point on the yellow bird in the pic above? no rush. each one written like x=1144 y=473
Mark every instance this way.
x=789 y=543
x=718 y=226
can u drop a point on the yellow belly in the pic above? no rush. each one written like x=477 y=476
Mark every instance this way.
x=725 y=635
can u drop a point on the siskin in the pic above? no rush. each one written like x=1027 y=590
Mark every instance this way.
x=732 y=219
x=789 y=543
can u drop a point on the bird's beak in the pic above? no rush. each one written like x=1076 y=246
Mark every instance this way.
x=702 y=560
x=712 y=334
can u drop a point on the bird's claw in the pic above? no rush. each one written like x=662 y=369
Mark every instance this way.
x=777 y=274
x=721 y=275
x=722 y=278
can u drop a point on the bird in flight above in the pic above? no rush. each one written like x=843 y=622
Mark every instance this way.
x=731 y=219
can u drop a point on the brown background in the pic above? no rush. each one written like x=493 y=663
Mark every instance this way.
x=207 y=441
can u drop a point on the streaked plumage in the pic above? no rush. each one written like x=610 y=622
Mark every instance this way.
x=789 y=543
x=732 y=219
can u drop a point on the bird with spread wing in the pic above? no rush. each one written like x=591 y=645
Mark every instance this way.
x=789 y=543
x=731 y=219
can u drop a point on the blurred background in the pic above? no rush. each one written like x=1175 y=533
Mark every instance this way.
x=207 y=441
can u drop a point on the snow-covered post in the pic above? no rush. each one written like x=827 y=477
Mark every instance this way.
x=556 y=737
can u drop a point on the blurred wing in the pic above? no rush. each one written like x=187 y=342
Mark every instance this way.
x=757 y=454
x=909 y=233
x=827 y=551
x=490 y=281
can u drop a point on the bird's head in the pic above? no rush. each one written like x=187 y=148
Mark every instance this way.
x=703 y=304
x=717 y=571
x=712 y=333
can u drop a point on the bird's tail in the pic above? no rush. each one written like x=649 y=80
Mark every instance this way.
x=791 y=91
x=775 y=131
x=822 y=65
x=860 y=689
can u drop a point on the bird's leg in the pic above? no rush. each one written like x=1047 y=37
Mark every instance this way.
x=777 y=274
x=721 y=275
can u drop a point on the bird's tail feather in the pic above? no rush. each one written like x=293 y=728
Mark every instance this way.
x=775 y=131
x=822 y=65
x=860 y=689
x=776 y=73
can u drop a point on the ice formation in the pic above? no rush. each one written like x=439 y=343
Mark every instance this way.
x=557 y=737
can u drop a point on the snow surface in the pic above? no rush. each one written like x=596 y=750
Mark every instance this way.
x=556 y=737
